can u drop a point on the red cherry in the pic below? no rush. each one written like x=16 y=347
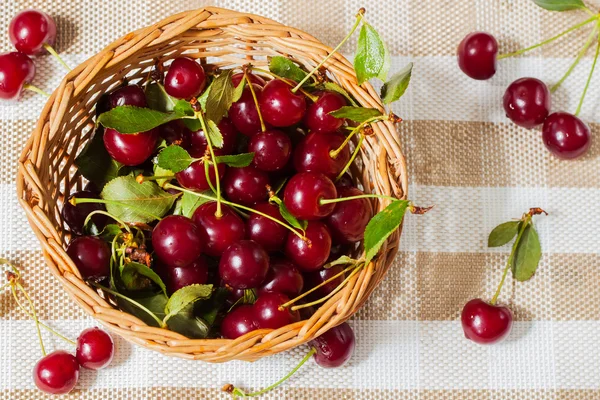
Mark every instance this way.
x=279 y=106
x=477 y=54
x=315 y=278
x=221 y=232
x=268 y=313
x=195 y=142
x=91 y=256
x=484 y=323
x=244 y=265
x=246 y=185
x=176 y=278
x=194 y=176
x=243 y=112
x=177 y=241
x=29 y=30
x=565 y=135
x=310 y=254
x=174 y=131
x=95 y=349
x=313 y=154
x=283 y=277
x=16 y=70
x=130 y=149
x=237 y=78
x=239 y=322
x=272 y=150
x=75 y=216
x=185 y=78
x=56 y=373
x=131 y=95
x=303 y=193
x=349 y=218
x=335 y=347
x=264 y=231
x=527 y=102
x=317 y=118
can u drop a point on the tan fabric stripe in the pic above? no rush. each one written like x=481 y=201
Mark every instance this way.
x=13 y=135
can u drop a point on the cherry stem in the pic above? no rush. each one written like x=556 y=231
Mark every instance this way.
x=141 y=178
x=361 y=138
x=359 y=18
x=587 y=83
x=241 y=393
x=334 y=153
x=51 y=50
x=535 y=46
x=260 y=117
x=207 y=175
x=27 y=86
x=33 y=313
x=582 y=52
x=362 y=196
x=83 y=200
x=90 y=215
x=218 y=213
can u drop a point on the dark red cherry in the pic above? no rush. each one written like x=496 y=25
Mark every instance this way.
x=16 y=70
x=237 y=78
x=527 y=102
x=194 y=176
x=130 y=149
x=279 y=106
x=195 y=273
x=29 y=30
x=174 y=131
x=264 y=231
x=315 y=278
x=335 y=347
x=313 y=154
x=477 y=54
x=91 y=256
x=484 y=323
x=244 y=265
x=75 y=216
x=220 y=232
x=565 y=135
x=95 y=349
x=246 y=185
x=56 y=373
x=243 y=112
x=310 y=254
x=177 y=241
x=349 y=218
x=239 y=322
x=130 y=95
x=317 y=118
x=268 y=314
x=195 y=142
x=303 y=193
x=272 y=150
x=283 y=277
x=185 y=78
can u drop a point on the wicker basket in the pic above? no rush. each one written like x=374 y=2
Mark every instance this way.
x=220 y=38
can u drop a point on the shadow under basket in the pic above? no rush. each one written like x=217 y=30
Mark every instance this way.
x=219 y=38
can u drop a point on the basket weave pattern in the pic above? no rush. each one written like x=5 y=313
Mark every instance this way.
x=219 y=38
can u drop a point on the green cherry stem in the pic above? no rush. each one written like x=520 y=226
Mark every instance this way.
x=240 y=393
x=359 y=18
x=218 y=213
x=90 y=215
x=553 y=38
x=361 y=138
x=587 y=83
x=582 y=52
x=334 y=153
x=141 y=178
x=51 y=50
x=207 y=175
x=260 y=117
x=33 y=313
x=362 y=196
x=36 y=90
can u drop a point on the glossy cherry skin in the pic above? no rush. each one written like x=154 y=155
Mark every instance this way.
x=527 y=102
x=484 y=323
x=315 y=278
x=237 y=78
x=477 y=54
x=283 y=277
x=174 y=132
x=75 y=216
x=243 y=112
x=317 y=118
x=267 y=312
x=177 y=241
x=565 y=135
x=303 y=193
x=279 y=106
x=313 y=154
x=56 y=373
x=335 y=347
x=130 y=95
x=246 y=185
x=195 y=142
x=185 y=78
x=95 y=349
x=244 y=265
x=195 y=273
x=264 y=231
x=239 y=322
x=349 y=218
x=220 y=232
x=29 y=30
x=311 y=254
x=91 y=256
x=130 y=149
x=16 y=70
x=194 y=176
x=272 y=150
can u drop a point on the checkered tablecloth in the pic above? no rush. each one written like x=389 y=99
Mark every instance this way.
x=463 y=156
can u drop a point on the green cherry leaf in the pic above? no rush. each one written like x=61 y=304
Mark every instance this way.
x=131 y=273
x=174 y=158
x=220 y=97
x=286 y=68
x=184 y=297
x=135 y=202
x=393 y=89
x=527 y=255
x=204 y=97
x=94 y=162
x=503 y=233
x=381 y=226
x=158 y=99
x=293 y=221
x=236 y=160
x=208 y=310
x=239 y=90
x=214 y=133
x=356 y=114
x=129 y=119
x=560 y=5
x=372 y=58
x=189 y=324
x=155 y=303
x=334 y=87
x=188 y=203
x=184 y=107
x=158 y=171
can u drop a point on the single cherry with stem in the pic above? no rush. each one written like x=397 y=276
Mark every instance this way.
x=327 y=153
x=246 y=185
x=477 y=54
x=317 y=118
x=56 y=373
x=16 y=72
x=527 y=102
x=565 y=135
x=95 y=349
x=280 y=106
x=130 y=95
x=304 y=195
x=244 y=265
x=272 y=149
x=270 y=315
x=130 y=149
x=310 y=253
x=245 y=114
x=264 y=231
x=91 y=256
x=348 y=220
x=221 y=232
x=177 y=241
x=185 y=78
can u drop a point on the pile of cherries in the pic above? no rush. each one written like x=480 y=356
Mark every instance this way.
x=527 y=101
